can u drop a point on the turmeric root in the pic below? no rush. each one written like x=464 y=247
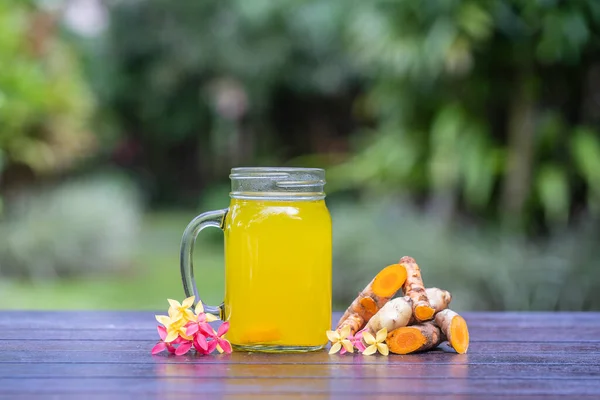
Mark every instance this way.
x=410 y=339
x=398 y=312
x=382 y=288
x=394 y=314
x=413 y=288
x=354 y=321
x=455 y=329
x=439 y=299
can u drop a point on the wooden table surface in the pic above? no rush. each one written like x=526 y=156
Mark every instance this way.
x=107 y=355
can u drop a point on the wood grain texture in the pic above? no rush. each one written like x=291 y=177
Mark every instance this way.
x=106 y=354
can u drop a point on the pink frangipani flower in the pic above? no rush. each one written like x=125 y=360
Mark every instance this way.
x=183 y=329
x=169 y=346
x=203 y=316
x=357 y=341
x=222 y=344
x=204 y=346
x=200 y=343
x=183 y=348
x=206 y=339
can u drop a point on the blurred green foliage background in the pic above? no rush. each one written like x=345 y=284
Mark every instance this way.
x=462 y=132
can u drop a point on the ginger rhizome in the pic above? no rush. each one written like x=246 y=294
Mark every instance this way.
x=411 y=339
x=455 y=330
x=413 y=287
x=382 y=288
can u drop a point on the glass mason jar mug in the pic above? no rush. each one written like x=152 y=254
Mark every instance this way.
x=277 y=259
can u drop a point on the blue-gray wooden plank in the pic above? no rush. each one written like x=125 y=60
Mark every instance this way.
x=87 y=353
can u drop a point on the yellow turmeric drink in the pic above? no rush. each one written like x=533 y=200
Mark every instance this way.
x=278 y=273
x=277 y=259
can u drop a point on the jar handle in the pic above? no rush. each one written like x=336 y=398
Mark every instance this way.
x=211 y=218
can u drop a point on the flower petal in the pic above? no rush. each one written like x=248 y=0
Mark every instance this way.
x=368 y=338
x=335 y=348
x=199 y=308
x=171 y=348
x=179 y=340
x=225 y=345
x=381 y=335
x=372 y=349
x=171 y=335
x=162 y=332
x=174 y=313
x=183 y=348
x=345 y=332
x=189 y=315
x=212 y=345
x=207 y=330
x=163 y=319
x=200 y=342
x=159 y=347
x=191 y=329
x=360 y=346
x=179 y=323
x=348 y=345
x=333 y=336
x=211 y=318
x=383 y=348
x=187 y=303
x=174 y=304
x=223 y=329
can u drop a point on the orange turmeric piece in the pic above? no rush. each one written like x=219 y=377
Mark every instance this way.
x=382 y=288
x=413 y=287
x=260 y=334
x=411 y=339
x=454 y=327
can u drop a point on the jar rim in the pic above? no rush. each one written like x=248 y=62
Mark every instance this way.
x=293 y=183
x=242 y=171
